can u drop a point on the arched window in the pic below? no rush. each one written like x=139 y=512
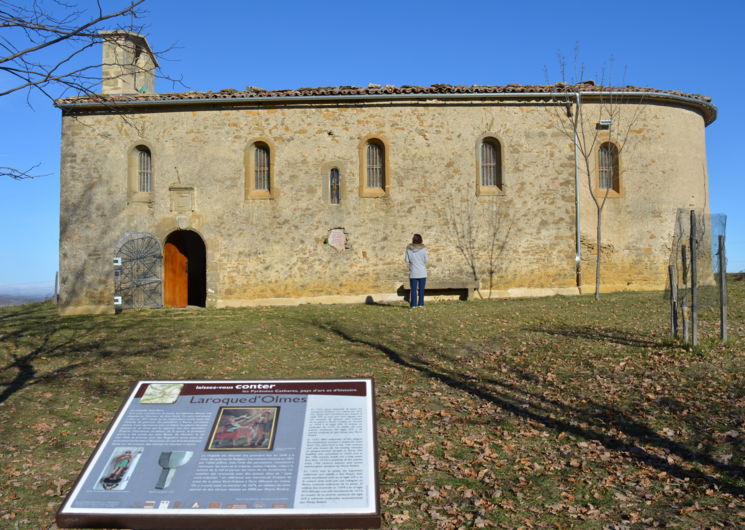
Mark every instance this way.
x=262 y=167
x=259 y=170
x=144 y=169
x=608 y=174
x=375 y=165
x=334 y=186
x=491 y=163
x=140 y=174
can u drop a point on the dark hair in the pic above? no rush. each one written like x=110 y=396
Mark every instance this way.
x=417 y=239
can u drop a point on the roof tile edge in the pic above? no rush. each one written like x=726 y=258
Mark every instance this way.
x=253 y=93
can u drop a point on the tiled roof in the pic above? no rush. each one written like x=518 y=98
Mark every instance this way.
x=377 y=91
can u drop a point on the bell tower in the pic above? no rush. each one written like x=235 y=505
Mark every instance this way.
x=128 y=65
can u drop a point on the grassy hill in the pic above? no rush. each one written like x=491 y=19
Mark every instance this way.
x=556 y=411
x=18 y=300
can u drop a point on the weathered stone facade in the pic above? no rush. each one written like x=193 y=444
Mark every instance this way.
x=275 y=249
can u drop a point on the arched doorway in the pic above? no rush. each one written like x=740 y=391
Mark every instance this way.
x=184 y=270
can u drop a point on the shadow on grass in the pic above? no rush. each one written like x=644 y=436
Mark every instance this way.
x=71 y=340
x=615 y=336
x=21 y=310
x=585 y=423
x=396 y=304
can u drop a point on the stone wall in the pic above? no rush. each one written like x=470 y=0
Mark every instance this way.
x=274 y=250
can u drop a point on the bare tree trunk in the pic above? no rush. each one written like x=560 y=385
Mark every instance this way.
x=599 y=239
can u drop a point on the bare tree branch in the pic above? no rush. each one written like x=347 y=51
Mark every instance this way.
x=480 y=235
x=463 y=226
x=584 y=132
x=66 y=33
x=499 y=234
x=19 y=174
x=45 y=48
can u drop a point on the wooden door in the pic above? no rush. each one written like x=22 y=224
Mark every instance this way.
x=175 y=276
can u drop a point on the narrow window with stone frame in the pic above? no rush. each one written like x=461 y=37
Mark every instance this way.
x=261 y=167
x=609 y=178
x=375 y=165
x=144 y=170
x=334 y=186
x=491 y=163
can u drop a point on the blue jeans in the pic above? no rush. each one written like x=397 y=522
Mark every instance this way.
x=416 y=298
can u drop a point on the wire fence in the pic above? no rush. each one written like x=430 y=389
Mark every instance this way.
x=696 y=257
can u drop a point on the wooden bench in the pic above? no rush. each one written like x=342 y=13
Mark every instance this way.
x=464 y=288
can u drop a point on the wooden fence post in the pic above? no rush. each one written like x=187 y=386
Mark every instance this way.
x=684 y=308
x=722 y=290
x=673 y=301
x=693 y=244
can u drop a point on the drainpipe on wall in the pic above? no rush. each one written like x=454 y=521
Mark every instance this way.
x=578 y=249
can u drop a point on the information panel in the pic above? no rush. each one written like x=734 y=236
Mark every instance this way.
x=234 y=454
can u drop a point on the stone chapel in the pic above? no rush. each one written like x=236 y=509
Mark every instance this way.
x=247 y=197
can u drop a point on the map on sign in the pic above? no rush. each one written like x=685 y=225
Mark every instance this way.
x=161 y=393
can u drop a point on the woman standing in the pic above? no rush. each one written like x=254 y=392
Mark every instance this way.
x=416 y=257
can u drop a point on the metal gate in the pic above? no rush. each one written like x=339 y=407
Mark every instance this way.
x=138 y=266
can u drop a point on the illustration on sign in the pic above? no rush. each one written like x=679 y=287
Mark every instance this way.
x=245 y=428
x=121 y=465
x=170 y=461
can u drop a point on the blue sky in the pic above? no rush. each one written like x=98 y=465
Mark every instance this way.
x=686 y=46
